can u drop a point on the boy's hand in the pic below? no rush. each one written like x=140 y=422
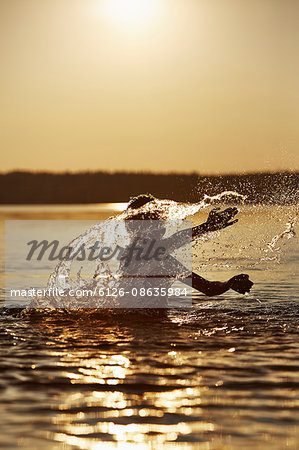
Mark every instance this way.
x=240 y=283
x=218 y=220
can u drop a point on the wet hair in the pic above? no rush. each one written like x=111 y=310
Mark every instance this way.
x=140 y=200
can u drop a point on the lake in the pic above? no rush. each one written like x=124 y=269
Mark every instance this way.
x=222 y=374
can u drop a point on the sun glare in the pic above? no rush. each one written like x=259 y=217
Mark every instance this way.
x=130 y=12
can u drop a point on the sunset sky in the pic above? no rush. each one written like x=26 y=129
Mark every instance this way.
x=156 y=85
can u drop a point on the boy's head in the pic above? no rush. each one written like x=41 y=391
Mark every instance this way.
x=138 y=202
x=144 y=214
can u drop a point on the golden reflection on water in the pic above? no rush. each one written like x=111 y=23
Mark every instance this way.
x=111 y=404
x=147 y=398
x=123 y=416
x=76 y=429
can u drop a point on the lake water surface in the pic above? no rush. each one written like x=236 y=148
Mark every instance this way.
x=221 y=375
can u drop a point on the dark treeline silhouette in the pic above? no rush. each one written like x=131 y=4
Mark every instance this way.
x=98 y=187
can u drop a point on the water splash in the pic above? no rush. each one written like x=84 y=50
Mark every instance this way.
x=288 y=233
x=243 y=249
x=172 y=210
x=69 y=275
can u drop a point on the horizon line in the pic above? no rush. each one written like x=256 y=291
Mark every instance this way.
x=145 y=172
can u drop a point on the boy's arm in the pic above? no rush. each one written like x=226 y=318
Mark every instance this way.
x=239 y=283
x=217 y=220
x=209 y=288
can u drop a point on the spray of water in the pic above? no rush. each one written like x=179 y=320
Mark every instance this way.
x=288 y=233
x=68 y=274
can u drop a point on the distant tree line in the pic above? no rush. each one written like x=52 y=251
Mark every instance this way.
x=99 y=187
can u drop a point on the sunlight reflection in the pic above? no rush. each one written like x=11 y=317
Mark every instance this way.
x=138 y=412
x=129 y=418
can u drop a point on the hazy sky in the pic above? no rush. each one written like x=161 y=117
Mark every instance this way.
x=161 y=85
